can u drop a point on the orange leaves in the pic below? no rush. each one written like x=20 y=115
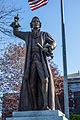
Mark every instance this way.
x=12 y=67
x=10 y=104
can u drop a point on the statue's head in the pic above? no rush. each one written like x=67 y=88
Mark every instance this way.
x=35 y=23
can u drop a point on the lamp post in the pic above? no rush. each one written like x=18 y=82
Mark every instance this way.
x=66 y=100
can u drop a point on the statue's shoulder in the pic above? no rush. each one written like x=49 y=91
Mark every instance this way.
x=47 y=34
x=27 y=32
x=43 y=33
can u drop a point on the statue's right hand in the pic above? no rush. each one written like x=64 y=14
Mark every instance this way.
x=12 y=24
x=15 y=25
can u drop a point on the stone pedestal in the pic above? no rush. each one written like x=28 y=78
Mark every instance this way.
x=38 y=115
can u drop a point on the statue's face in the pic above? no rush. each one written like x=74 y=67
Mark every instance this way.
x=35 y=23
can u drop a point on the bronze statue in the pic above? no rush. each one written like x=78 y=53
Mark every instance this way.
x=37 y=90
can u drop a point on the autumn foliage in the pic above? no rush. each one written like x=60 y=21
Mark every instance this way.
x=12 y=69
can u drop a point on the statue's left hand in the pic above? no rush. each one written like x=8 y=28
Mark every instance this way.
x=45 y=49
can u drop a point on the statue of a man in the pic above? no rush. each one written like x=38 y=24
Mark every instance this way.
x=37 y=90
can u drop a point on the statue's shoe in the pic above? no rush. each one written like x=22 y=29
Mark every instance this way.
x=46 y=108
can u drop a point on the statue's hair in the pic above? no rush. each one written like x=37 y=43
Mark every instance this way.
x=32 y=21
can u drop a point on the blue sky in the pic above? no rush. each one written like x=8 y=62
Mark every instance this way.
x=50 y=16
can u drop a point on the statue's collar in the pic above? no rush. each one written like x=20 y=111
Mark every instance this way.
x=35 y=33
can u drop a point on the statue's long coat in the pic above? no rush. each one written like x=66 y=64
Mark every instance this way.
x=26 y=102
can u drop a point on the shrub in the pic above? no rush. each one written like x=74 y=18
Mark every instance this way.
x=74 y=117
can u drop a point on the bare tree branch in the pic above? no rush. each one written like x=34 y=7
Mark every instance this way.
x=6 y=15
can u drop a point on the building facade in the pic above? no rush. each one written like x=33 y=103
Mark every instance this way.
x=74 y=87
